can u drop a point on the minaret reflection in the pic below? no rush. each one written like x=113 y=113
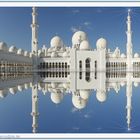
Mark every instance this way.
x=35 y=112
x=129 y=69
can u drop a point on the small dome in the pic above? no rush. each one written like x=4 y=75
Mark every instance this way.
x=56 y=97
x=114 y=55
x=41 y=86
x=3 y=47
x=62 y=90
x=84 y=94
x=63 y=49
x=66 y=85
x=13 y=49
x=136 y=84
x=3 y=93
x=65 y=54
x=84 y=45
x=123 y=55
x=56 y=42
x=27 y=85
x=136 y=55
x=55 y=91
x=78 y=37
x=44 y=91
x=50 y=89
x=30 y=55
x=108 y=89
x=26 y=53
x=53 y=54
x=54 y=49
x=31 y=84
x=20 y=52
x=53 y=85
x=122 y=83
x=78 y=102
x=101 y=96
x=49 y=49
x=20 y=87
x=101 y=43
x=44 y=48
x=13 y=90
x=40 y=53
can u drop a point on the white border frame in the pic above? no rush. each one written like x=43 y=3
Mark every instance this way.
x=69 y=135
x=69 y=4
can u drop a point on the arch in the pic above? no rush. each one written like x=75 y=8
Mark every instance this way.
x=87 y=72
x=80 y=69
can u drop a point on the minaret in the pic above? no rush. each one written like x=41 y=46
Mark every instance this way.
x=34 y=44
x=129 y=69
x=35 y=112
x=34 y=27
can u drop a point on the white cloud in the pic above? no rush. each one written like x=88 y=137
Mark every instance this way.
x=75 y=11
x=74 y=110
x=99 y=11
x=99 y=128
x=76 y=128
x=86 y=116
x=87 y=23
x=74 y=29
x=84 y=25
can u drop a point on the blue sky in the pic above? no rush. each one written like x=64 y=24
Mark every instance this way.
x=108 y=117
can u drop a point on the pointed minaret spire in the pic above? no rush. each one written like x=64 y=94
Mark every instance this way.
x=34 y=27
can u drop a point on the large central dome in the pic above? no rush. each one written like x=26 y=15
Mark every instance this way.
x=78 y=37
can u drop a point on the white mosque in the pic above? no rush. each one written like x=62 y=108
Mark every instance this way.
x=75 y=70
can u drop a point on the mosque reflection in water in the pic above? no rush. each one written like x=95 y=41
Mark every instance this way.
x=13 y=82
